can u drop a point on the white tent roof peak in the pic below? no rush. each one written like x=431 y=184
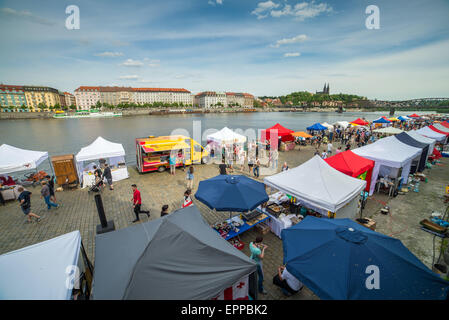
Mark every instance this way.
x=226 y=135
x=427 y=132
x=14 y=159
x=317 y=183
x=100 y=148
x=389 y=130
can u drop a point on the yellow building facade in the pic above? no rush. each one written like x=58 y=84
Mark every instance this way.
x=37 y=96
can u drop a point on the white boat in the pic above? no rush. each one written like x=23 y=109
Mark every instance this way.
x=86 y=114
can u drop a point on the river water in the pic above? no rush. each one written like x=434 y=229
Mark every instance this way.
x=64 y=136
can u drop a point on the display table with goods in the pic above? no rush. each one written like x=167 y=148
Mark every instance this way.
x=287 y=146
x=238 y=224
x=118 y=172
x=10 y=192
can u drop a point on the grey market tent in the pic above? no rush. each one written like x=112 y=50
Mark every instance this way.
x=405 y=138
x=176 y=257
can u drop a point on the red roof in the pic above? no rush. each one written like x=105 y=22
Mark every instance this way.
x=360 y=122
x=281 y=132
x=11 y=87
x=439 y=131
x=83 y=88
x=161 y=90
x=352 y=165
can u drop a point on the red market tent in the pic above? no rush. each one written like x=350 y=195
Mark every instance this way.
x=439 y=131
x=414 y=116
x=352 y=165
x=284 y=133
x=386 y=119
x=360 y=122
x=445 y=124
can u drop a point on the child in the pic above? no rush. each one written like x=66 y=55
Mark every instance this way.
x=187 y=200
x=164 y=211
x=189 y=178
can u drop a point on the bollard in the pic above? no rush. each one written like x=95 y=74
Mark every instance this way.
x=104 y=226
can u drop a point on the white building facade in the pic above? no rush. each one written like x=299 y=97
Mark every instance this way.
x=87 y=97
x=164 y=95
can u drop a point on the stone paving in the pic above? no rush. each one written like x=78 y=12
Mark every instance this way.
x=78 y=212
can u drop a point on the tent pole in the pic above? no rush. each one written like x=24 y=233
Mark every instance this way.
x=51 y=167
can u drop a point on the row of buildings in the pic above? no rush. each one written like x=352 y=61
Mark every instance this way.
x=33 y=97
x=86 y=97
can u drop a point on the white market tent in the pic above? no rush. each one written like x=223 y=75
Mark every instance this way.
x=226 y=135
x=103 y=149
x=431 y=142
x=328 y=126
x=343 y=124
x=14 y=159
x=389 y=153
x=320 y=187
x=388 y=130
x=427 y=132
x=39 y=272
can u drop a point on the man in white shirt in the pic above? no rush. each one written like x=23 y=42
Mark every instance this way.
x=287 y=282
x=329 y=148
x=324 y=155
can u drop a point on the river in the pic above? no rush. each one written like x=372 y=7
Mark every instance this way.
x=64 y=136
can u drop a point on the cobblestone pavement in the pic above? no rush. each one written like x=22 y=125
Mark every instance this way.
x=78 y=212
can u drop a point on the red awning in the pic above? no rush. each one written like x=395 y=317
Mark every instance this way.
x=445 y=124
x=352 y=165
x=439 y=131
x=284 y=133
x=414 y=116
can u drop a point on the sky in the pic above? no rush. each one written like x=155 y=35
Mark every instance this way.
x=272 y=47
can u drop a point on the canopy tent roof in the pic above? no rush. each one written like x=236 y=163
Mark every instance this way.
x=38 y=272
x=14 y=159
x=442 y=128
x=445 y=124
x=438 y=130
x=405 y=138
x=393 y=119
x=389 y=130
x=231 y=193
x=414 y=116
x=317 y=183
x=351 y=164
x=381 y=120
x=317 y=127
x=335 y=258
x=328 y=126
x=301 y=134
x=176 y=257
x=404 y=118
x=388 y=151
x=100 y=148
x=360 y=122
x=226 y=135
x=281 y=132
x=343 y=124
x=427 y=132
x=418 y=137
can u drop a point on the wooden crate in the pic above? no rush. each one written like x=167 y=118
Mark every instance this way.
x=371 y=224
x=262 y=228
x=65 y=169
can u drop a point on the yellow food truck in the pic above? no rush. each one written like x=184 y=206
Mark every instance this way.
x=153 y=153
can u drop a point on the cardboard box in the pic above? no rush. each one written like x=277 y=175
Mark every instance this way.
x=262 y=228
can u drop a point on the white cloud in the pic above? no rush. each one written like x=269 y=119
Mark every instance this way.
x=132 y=63
x=297 y=39
x=27 y=15
x=300 y=11
x=213 y=3
x=263 y=8
x=129 y=77
x=292 y=54
x=109 y=54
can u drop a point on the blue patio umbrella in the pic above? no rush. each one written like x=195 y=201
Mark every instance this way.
x=231 y=193
x=340 y=259
x=317 y=127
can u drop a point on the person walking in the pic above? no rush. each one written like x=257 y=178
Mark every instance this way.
x=256 y=169
x=25 y=204
x=257 y=249
x=137 y=203
x=222 y=167
x=187 y=199
x=324 y=155
x=98 y=171
x=51 y=185
x=329 y=148
x=45 y=193
x=172 y=162
x=189 y=178
x=108 y=175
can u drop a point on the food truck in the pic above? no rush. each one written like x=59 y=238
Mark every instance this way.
x=153 y=153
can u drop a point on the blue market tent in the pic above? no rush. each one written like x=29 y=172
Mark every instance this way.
x=317 y=127
x=381 y=120
x=341 y=259
x=402 y=118
x=231 y=193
